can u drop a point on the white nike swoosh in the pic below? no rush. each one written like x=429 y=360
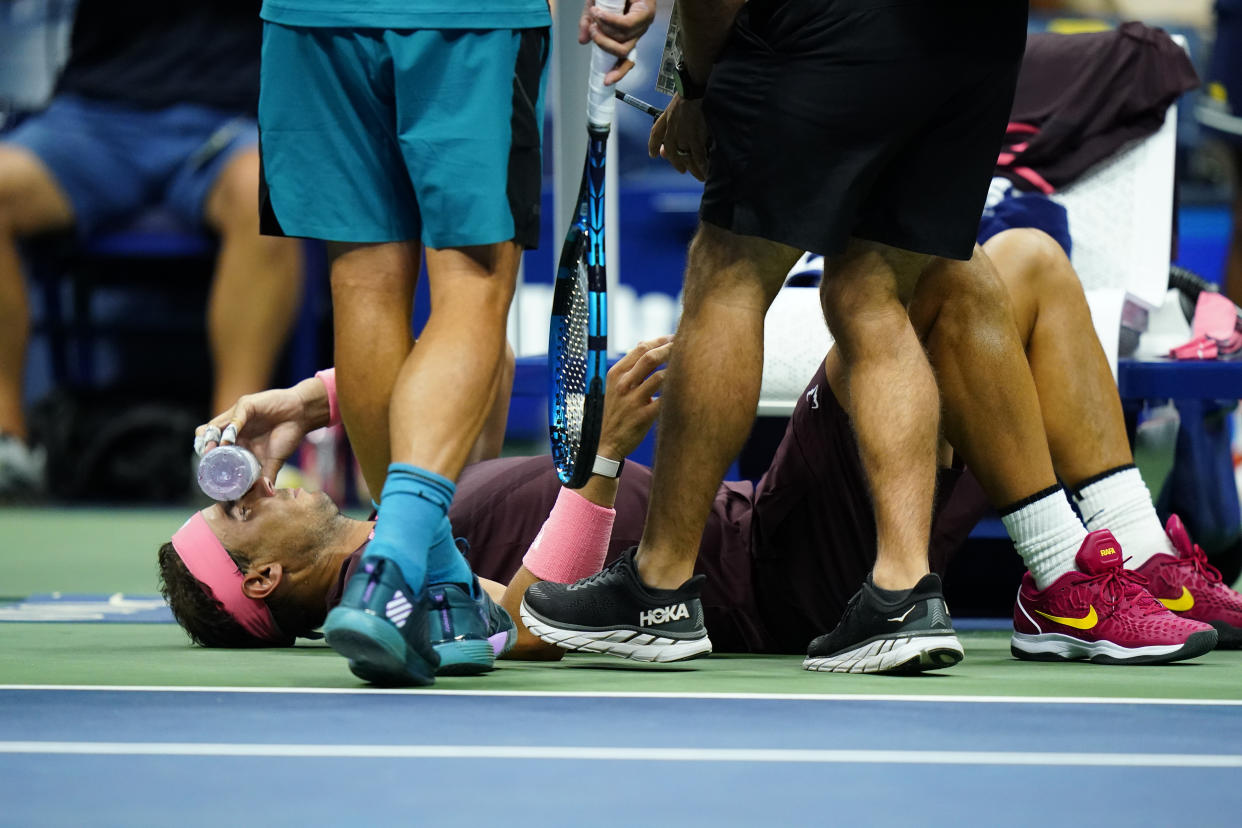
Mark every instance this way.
x=902 y=617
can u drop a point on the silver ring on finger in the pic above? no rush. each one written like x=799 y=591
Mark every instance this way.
x=683 y=151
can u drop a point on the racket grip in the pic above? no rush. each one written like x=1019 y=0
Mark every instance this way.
x=600 y=102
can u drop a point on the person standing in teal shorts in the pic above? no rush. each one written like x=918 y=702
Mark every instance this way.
x=390 y=128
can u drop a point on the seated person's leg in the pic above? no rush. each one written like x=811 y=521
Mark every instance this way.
x=257 y=286
x=31 y=201
x=59 y=168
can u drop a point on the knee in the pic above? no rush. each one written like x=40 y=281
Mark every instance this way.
x=962 y=300
x=233 y=203
x=30 y=199
x=1042 y=262
x=858 y=310
x=738 y=270
x=372 y=278
x=973 y=286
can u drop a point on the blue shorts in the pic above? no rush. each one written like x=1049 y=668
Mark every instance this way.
x=112 y=160
x=376 y=135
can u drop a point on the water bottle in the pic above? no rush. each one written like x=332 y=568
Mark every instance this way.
x=227 y=472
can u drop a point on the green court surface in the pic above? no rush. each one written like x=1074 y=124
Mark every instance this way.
x=106 y=551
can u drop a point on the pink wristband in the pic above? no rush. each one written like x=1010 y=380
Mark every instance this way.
x=573 y=541
x=328 y=377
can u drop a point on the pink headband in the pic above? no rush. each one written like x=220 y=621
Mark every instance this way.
x=218 y=575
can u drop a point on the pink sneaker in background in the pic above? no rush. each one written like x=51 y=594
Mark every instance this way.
x=1189 y=586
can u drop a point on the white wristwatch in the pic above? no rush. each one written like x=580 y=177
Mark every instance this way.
x=607 y=468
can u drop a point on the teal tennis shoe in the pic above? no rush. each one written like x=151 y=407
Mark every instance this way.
x=468 y=633
x=380 y=626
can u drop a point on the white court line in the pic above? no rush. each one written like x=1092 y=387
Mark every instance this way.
x=627 y=754
x=593 y=694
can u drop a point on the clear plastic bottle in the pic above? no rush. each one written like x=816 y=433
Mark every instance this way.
x=227 y=472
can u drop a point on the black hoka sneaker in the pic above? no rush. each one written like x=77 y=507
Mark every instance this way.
x=874 y=636
x=614 y=612
x=381 y=627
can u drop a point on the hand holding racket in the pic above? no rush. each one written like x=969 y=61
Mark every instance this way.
x=578 y=330
x=614 y=31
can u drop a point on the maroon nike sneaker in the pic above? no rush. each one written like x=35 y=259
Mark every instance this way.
x=1102 y=613
x=1191 y=587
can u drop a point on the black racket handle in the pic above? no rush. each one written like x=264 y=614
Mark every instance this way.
x=639 y=104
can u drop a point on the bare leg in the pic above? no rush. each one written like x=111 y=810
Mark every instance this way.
x=711 y=389
x=891 y=398
x=372 y=300
x=257 y=287
x=1080 y=407
x=492 y=437
x=30 y=202
x=991 y=409
x=441 y=398
x=1083 y=417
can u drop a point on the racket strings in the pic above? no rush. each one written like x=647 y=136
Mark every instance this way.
x=571 y=363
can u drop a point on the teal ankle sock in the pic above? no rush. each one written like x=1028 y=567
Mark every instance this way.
x=445 y=563
x=413 y=507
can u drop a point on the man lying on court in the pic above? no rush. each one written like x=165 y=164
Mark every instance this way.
x=781 y=563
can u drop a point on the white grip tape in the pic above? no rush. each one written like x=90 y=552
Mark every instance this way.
x=600 y=101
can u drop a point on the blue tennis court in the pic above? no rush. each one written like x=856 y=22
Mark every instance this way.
x=205 y=756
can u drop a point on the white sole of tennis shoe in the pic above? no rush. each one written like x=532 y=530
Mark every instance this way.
x=630 y=644
x=904 y=654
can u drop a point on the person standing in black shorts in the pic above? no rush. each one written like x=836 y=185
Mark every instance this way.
x=868 y=134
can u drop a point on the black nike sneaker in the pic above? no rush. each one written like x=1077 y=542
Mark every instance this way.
x=614 y=612
x=875 y=636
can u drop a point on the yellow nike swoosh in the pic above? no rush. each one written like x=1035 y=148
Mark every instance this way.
x=1181 y=603
x=1085 y=623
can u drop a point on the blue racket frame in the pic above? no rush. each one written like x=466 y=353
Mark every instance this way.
x=584 y=243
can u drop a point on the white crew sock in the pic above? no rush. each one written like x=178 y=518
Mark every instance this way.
x=1046 y=533
x=1119 y=501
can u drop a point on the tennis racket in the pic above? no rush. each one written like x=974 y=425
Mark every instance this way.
x=578 y=333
